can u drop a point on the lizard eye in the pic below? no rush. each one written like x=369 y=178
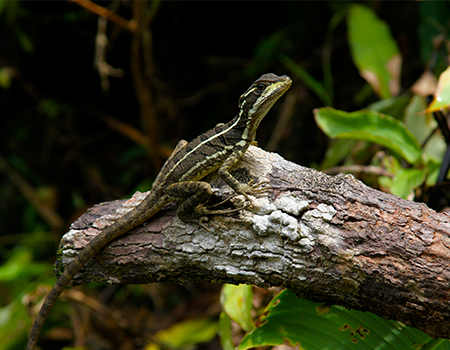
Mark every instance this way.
x=261 y=86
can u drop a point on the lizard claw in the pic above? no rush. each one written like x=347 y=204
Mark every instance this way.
x=259 y=189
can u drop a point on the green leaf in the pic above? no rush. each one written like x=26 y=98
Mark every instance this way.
x=226 y=339
x=442 y=95
x=308 y=79
x=374 y=51
x=185 y=334
x=394 y=106
x=20 y=268
x=433 y=166
x=14 y=324
x=336 y=152
x=406 y=181
x=298 y=322
x=369 y=126
x=422 y=126
x=237 y=303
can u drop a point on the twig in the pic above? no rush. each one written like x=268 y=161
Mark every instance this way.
x=101 y=44
x=129 y=25
x=44 y=210
x=141 y=82
x=359 y=169
x=126 y=129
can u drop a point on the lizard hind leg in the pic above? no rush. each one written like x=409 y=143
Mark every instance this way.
x=190 y=195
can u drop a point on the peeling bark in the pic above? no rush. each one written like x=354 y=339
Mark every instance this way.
x=327 y=239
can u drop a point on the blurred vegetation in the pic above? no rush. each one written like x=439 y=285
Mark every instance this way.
x=94 y=97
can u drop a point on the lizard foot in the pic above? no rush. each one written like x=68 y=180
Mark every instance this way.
x=259 y=189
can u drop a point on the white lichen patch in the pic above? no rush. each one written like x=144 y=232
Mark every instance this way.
x=291 y=204
x=69 y=254
x=308 y=238
x=323 y=211
x=191 y=248
x=262 y=206
x=315 y=227
x=69 y=235
x=276 y=222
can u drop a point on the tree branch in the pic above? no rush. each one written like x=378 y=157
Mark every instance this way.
x=327 y=239
x=129 y=25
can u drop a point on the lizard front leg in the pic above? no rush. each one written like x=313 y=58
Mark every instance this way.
x=230 y=180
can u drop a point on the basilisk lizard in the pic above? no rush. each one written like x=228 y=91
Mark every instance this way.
x=180 y=178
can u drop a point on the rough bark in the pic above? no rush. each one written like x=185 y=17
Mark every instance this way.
x=327 y=239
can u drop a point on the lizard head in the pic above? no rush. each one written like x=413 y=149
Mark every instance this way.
x=261 y=96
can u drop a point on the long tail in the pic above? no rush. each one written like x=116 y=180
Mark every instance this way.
x=145 y=210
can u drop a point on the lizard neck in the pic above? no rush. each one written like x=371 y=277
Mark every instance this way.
x=241 y=127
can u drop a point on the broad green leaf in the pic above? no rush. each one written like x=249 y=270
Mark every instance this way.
x=442 y=95
x=294 y=321
x=237 y=303
x=394 y=106
x=422 y=126
x=435 y=147
x=226 y=339
x=374 y=51
x=369 y=126
x=405 y=181
x=185 y=334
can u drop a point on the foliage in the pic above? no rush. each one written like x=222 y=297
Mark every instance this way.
x=184 y=335
x=298 y=322
x=441 y=97
x=374 y=51
x=74 y=135
x=237 y=304
x=370 y=126
x=378 y=60
x=15 y=276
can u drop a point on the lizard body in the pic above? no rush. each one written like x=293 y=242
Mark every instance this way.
x=179 y=180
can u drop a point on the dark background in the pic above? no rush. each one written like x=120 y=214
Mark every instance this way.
x=56 y=141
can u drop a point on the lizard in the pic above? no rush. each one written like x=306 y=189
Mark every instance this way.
x=181 y=179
